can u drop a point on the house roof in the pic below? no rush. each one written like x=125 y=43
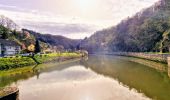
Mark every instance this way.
x=8 y=42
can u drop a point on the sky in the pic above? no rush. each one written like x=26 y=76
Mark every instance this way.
x=74 y=19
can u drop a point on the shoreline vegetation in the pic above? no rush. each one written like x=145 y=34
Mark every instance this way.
x=29 y=71
x=63 y=58
x=19 y=61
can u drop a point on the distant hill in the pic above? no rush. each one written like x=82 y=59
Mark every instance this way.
x=55 y=40
x=11 y=31
x=147 y=31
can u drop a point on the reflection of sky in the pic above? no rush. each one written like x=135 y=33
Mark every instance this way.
x=68 y=17
x=75 y=83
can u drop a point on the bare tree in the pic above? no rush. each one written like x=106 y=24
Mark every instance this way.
x=8 y=23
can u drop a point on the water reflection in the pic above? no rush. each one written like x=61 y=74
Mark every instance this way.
x=7 y=79
x=75 y=83
x=94 y=78
x=169 y=71
x=10 y=79
x=156 y=65
x=144 y=79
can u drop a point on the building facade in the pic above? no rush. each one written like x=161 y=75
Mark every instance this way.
x=9 y=48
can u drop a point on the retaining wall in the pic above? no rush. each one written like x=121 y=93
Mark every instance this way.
x=13 y=95
x=154 y=57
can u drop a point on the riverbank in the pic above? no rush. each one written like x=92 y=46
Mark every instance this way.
x=163 y=58
x=18 y=62
x=15 y=62
x=46 y=58
x=23 y=73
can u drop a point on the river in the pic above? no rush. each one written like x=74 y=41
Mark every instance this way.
x=93 y=78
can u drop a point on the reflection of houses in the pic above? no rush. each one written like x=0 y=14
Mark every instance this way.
x=8 y=47
x=48 y=51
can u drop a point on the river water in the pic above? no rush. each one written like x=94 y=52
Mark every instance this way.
x=93 y=78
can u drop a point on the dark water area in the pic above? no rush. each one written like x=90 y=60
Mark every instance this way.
x=94 y=78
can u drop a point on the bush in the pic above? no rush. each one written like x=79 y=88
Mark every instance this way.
x=8 y=63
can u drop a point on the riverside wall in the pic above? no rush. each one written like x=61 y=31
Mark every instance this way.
x=12 y=95
x=154 y=57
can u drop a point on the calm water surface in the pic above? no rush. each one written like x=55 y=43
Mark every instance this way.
x=95 y=78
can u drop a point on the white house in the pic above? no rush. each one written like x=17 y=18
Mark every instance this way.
x=9 y=48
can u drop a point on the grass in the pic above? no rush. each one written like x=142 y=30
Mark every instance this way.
x=9 y=63
x=16 y=71
x=19 y=62
x=54 y=56
x=25 y=69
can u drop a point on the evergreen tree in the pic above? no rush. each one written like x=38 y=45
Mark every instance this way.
x=14 y=32
x=4 y=32
x=37 y=46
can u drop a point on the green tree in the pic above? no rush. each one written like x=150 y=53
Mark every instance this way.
x=37 y=46
x=4 y=32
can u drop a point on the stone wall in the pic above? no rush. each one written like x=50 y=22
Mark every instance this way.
x=149 y=56
x=12 y=95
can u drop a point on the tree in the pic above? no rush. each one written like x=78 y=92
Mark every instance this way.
x=5 y=21
x=60 y=48
x=164 y=43
x=4 y=32
x=31 y=48
x=37 y=46
x=14 y=32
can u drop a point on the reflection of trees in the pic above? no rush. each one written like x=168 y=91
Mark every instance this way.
x=83 y=61
x=9 y=79
x=36 y=71
x=169 y=71
x=158 y=66
x=133 y=75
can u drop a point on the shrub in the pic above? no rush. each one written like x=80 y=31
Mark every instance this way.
x=8 y=63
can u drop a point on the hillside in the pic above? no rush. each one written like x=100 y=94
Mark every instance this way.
x=10 y=30
x=147 y=31
x=27 y=38
x=55 y=40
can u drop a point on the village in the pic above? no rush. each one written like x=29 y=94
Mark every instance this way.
x=10 y=48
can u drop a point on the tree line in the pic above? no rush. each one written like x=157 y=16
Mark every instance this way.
x=147 y=31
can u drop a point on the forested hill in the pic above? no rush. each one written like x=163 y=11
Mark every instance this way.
x=147 y=31
x=27 y=38
x=55 y=40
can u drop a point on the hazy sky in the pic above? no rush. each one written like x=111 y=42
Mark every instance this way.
x=70 y=18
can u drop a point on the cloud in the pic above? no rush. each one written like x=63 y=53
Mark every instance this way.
x=59 y=28
x=50 y=23
x=62 y=17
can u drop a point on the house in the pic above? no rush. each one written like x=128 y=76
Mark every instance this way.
x=9 y=48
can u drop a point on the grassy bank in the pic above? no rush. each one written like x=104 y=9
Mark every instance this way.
x=17 y=62
x=9 y=63
x=13 y=75
x=15 y=71
x=55 y=57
